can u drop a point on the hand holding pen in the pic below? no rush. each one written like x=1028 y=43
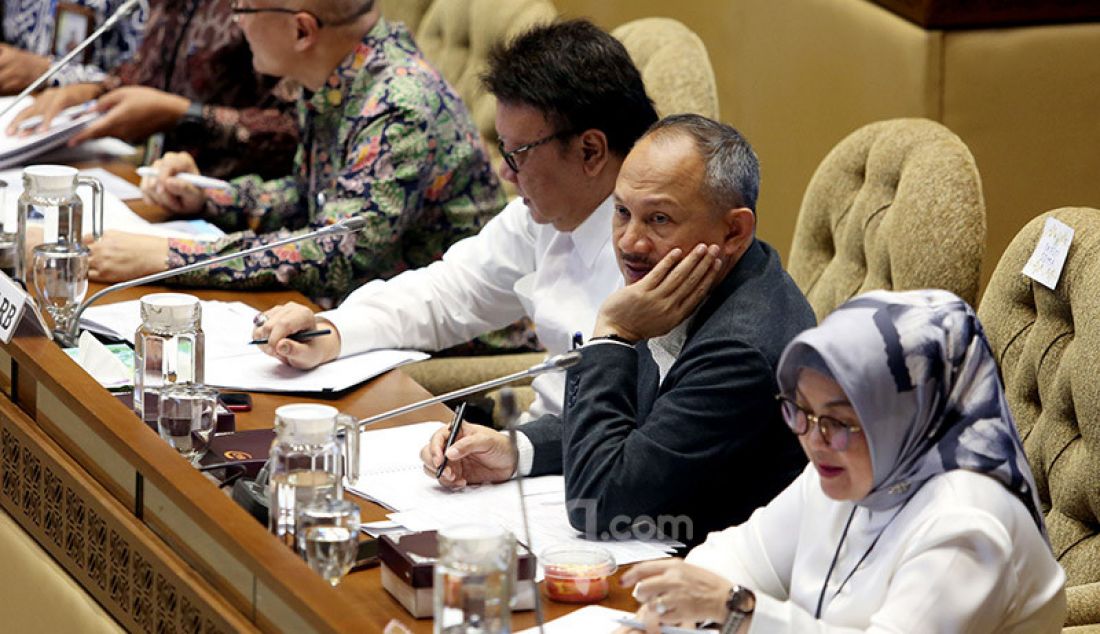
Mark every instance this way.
x=304 y=335
x=456 y=426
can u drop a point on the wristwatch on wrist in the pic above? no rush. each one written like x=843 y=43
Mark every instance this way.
x=192 y=117
x=741 y=602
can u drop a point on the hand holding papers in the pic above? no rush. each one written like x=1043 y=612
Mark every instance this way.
x=19 y=148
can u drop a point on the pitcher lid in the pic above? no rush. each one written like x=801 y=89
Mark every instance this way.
x=170 y=310
x=50 y=178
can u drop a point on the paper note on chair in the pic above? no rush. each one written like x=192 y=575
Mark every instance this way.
x=1046 y=262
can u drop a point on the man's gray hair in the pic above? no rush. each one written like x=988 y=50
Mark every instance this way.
x=732 y=176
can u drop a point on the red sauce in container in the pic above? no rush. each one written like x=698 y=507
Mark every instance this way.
x=577 y=573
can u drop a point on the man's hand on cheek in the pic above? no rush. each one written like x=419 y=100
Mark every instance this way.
x=657 y=303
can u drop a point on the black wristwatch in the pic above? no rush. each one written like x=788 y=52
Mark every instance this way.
x=192 y=120
x=741 y=602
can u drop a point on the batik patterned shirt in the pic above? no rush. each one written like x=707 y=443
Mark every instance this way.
x=29 y=25
x=386 y=139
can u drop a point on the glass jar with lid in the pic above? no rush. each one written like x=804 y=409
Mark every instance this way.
x=169 y=347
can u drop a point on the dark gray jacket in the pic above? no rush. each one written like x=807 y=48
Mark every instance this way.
x=709 y=443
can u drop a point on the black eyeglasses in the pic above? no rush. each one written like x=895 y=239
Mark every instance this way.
x=237 y=10
x=836 y=433
x=510 y=157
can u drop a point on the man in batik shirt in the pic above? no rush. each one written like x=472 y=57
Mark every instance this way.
x=37 y=33
x=384 y=137
x=192 y=80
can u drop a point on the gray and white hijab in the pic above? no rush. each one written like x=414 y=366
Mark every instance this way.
x=919 y=372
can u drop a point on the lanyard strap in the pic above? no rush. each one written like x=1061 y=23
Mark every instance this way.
x=866 y=553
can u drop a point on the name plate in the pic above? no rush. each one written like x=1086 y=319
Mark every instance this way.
x=14 y=303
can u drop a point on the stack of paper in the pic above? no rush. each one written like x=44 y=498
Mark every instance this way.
x=17 y=150
x=391 y=474
x=232 y=363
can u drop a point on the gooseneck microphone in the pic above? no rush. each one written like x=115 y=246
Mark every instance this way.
x=556 y=363
x=344 y=227
x=126 y=9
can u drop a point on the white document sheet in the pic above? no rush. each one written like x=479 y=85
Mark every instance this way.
x=231 y=362
x=390 y=473
x=114 y=185
x=597 y=619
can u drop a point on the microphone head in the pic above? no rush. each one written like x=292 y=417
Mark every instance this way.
x=557 y=363
x=128 y=7
x=350 y=225
x=565 y=360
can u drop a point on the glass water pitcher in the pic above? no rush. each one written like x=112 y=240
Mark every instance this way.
x=169 y=347
x=49 y=195
x=307 y=461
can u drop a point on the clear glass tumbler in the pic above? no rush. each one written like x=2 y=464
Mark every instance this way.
x=328 y=537
x=188 y=416
x=473 y=580
x=60 y=273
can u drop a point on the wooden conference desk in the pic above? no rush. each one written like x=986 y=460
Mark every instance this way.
x=151 y=539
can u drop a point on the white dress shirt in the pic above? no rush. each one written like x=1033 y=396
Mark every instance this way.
x=963 y=555
x=513 y=267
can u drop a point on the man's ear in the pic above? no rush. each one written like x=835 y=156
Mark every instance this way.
x=594 y=150
x=307 y=32
x=740 y=228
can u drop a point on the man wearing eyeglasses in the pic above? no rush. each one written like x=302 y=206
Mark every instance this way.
x=669 y=425
x=570 y=106
x=384 y=137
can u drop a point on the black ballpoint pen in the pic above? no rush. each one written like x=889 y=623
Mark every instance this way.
x=456 y=424
x=305 y=335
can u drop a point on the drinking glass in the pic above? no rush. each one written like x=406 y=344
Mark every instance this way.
x=60 y=271
x=187 y=418
x=473 y=580
x=328 y=537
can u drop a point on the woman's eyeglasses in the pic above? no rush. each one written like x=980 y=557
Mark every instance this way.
x=834 y=432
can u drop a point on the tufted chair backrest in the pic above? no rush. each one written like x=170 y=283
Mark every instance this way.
x=408 y=11
x=674 y=64
x=456 y=36
x=896 y=205
x=1047 y=344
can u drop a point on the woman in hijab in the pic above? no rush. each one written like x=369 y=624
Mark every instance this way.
x=917 y=512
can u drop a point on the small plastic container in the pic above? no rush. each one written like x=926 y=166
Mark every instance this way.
x=578 y=573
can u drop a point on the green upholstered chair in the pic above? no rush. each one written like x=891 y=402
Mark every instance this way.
x=896 y=205
x=456 y=36
x=1047 y=344
x=411 y=12
x=674 y=64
